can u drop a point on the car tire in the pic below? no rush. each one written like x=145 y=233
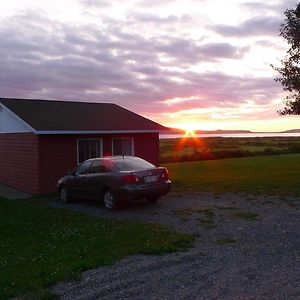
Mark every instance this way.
x=64 y=195
x=110 y=200
x=152 y=199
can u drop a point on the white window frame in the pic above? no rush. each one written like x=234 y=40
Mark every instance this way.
x=87 y=139
x=123 y=138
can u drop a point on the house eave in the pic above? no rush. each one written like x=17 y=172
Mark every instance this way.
x=45 y=132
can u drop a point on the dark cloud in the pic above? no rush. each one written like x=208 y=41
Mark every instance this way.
x=223 y=50
x=156 y=20
x=188 y=51
x=258 y=26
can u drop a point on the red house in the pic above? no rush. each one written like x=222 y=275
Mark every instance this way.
x=42 y=140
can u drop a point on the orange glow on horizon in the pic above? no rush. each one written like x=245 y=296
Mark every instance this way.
x=275 y=124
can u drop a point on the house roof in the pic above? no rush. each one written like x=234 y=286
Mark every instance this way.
x=66 y=116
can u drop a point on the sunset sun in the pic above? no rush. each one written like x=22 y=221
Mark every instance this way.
x=189 y=132
x=189 y=128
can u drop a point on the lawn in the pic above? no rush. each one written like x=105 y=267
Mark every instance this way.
x=40 y=245
x=270 y=175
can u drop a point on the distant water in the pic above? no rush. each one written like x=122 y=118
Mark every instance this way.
x=237 y=135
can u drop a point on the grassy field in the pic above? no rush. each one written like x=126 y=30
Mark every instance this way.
x=270 y=175
x=191 y=149
x=40 y=246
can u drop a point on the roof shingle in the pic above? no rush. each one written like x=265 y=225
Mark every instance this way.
x=49 y=115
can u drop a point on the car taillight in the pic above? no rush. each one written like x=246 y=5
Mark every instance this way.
x=130 y=179
x=165 y=175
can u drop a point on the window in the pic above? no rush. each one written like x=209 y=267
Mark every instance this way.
x=97 y=166
x=122 y=146
x=83 y=168
x=88 y=148
x=132 y=164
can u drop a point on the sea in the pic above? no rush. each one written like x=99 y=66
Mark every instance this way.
x=236 y=135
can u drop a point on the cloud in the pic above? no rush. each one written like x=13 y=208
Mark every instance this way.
x=222 y=50
x=271 y=45
x=95 y=64
x=159 y=3
x=111 y=62
x=158 y=20
x=257 y=26
x=220 y=90
x=275 y=7
x=95 y=3
x=185 y=51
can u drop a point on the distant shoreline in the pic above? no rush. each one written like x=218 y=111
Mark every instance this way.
x=235 y=134
x=220 y=131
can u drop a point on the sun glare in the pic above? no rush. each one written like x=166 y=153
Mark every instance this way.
x=189 y=128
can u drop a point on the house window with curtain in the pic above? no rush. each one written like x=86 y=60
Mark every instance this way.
x=88 y=148
x=122 y=146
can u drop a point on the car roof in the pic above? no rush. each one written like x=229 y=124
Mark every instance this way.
x=117 y=157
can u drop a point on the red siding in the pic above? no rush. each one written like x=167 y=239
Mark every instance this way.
x=58 y=154
x=147 y=147
x=19 y=161
x=34 y=163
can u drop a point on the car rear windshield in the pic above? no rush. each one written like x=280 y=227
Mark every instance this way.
x=133 y=164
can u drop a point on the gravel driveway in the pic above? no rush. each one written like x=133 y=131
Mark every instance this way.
x=248 y=247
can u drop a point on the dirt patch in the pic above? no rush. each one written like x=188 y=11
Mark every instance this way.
x=248 y=247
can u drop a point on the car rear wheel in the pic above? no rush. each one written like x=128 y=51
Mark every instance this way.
x=152 y=199
x=64 y=195
x=110 y=201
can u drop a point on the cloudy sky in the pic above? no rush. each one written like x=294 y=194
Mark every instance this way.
x=193 y=63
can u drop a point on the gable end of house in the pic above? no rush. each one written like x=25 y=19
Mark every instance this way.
x=11 y=123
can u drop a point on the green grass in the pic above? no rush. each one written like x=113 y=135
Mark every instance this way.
x=269 y=175
x=40 y=246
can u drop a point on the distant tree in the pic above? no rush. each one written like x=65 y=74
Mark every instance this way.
x=289 y=72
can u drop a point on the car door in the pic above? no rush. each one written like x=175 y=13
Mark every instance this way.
x=96 y=178
x=78 y=185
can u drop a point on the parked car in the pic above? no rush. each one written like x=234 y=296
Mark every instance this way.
x=115 y=180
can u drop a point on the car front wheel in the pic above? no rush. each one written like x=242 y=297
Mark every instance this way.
x=110 y=201
x=64 y=196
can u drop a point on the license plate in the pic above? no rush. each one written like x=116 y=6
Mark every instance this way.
x=149 y=179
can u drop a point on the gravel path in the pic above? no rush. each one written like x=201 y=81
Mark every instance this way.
x=247 y=248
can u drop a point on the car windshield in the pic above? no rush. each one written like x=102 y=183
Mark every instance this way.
x=132 y=164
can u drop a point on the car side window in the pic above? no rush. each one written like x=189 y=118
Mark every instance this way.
x=83 y=168
x=97 y=166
